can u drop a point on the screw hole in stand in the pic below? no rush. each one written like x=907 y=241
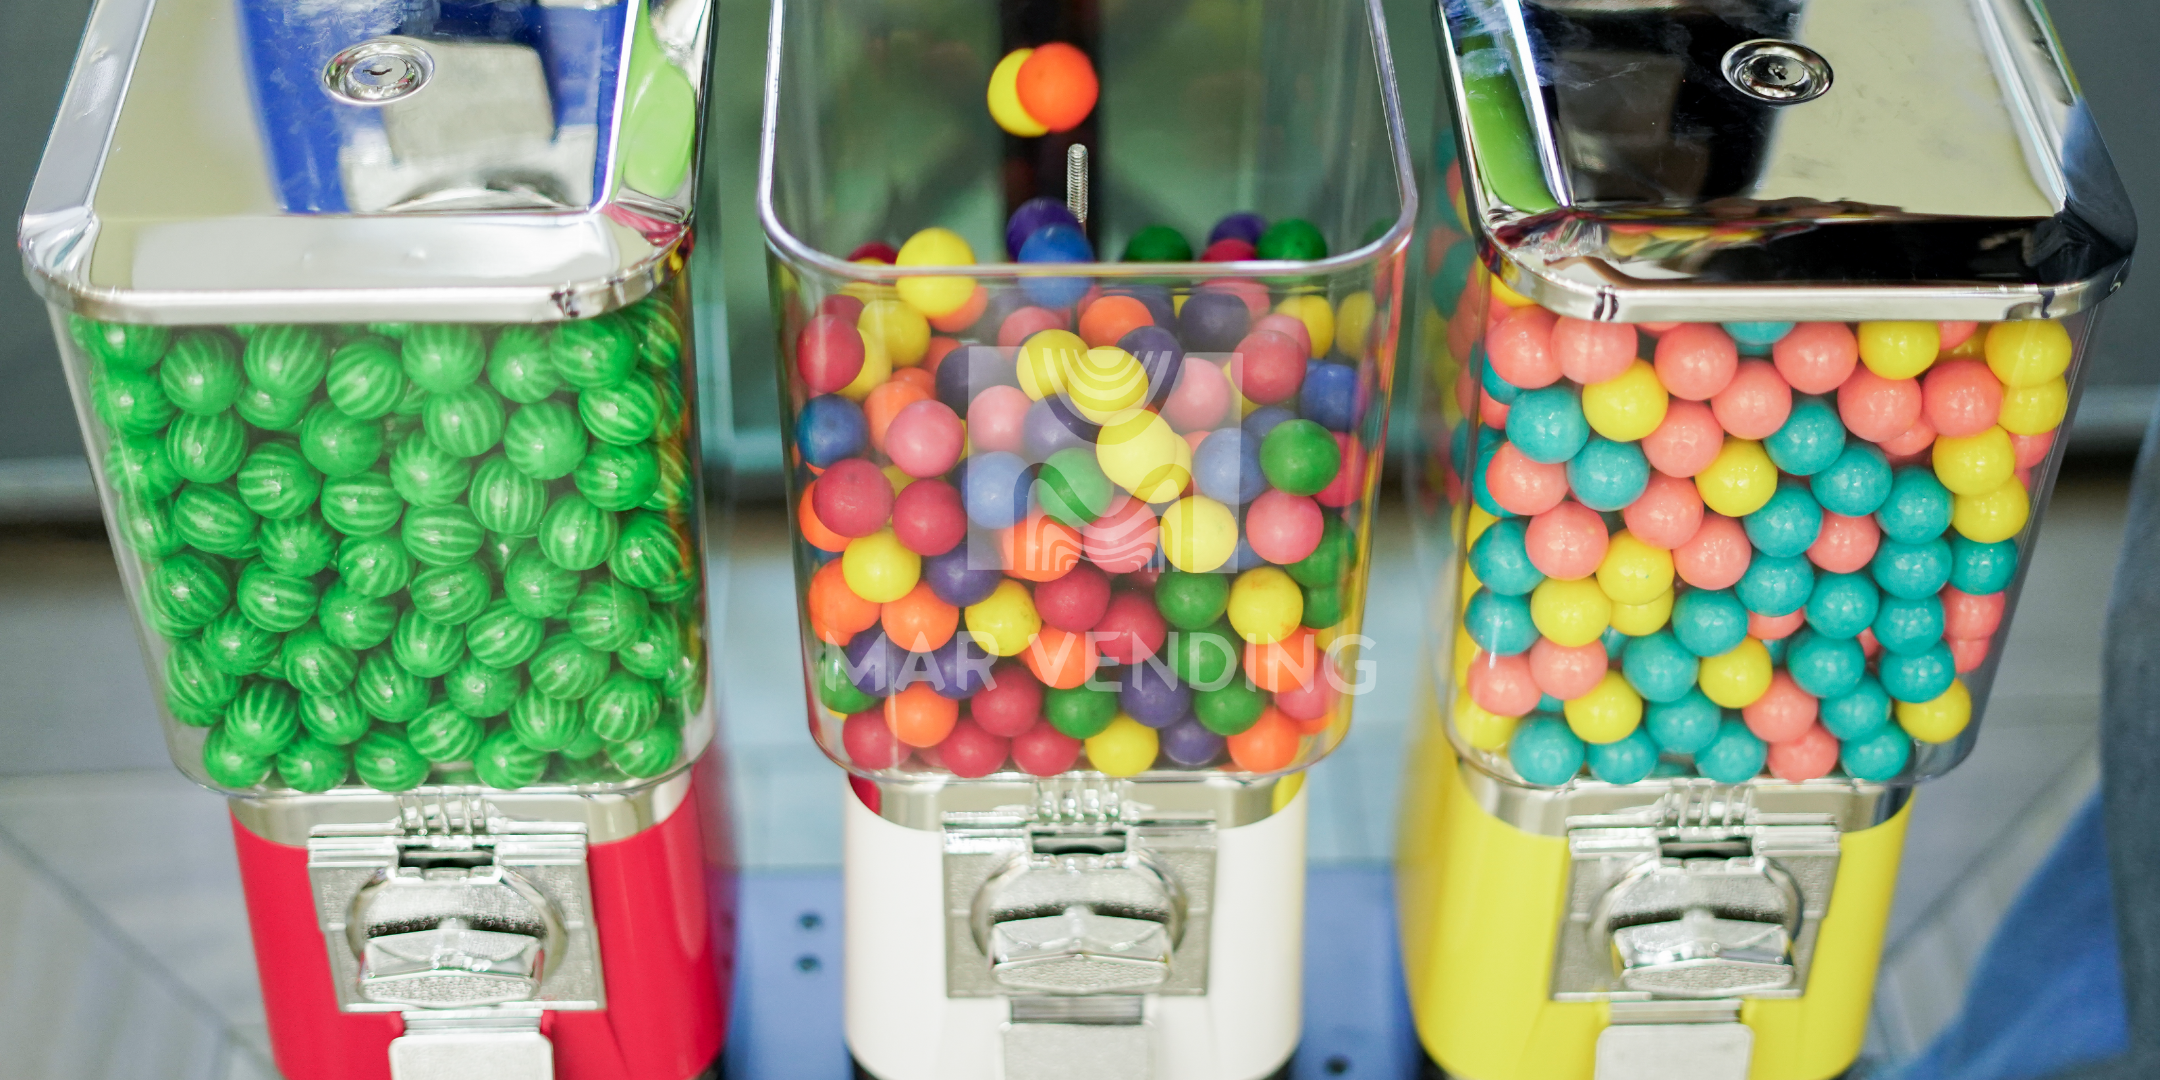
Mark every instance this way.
x=807 y=963
x=809 y=920
x=1336 y=1065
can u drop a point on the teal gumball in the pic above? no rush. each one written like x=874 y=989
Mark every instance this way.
x=189 y=590
x=673 y=487
x=504 y=762
x=624 y=414
x=592 y=353
x=544 y=440
x=505 y=500
x=286 y=361
x=443 y=734
x=648 y=755
x=227 y=765
x=502 y=637
x=545 y=723
x=312 y=766
x=263 y=718
x=622 y=707
x=608 y=615
x=233 y=644
x=442 y=358
x=276 y=481
x=518 y=367
x=274 y=601
x=426 y=474
x=212 y=517
x=120 y=345
x=201 y=373
x=269 y=411
x=365 y=379
x=656 y=646
x=336 y=719
x=374 y=566
x=353 y=619
x=206 y=449
x=467 y=422
x=617 y=477
x=441 y=535
x=649 y=554
x=193 y=678
x=364 y=505
x=451 y=594
x=425 y=647
x=386 y=690
x=479 y=690
x=538 y=588
x=566 y=669
x=146 y=527
x=576 y=535
x=339 y=444
x=131 y=402
x=137 y=466
x=301 y=546
x=384 y=759
x=314 y=664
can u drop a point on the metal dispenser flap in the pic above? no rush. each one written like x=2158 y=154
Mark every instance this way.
x=1645 y=160
x=260 y=160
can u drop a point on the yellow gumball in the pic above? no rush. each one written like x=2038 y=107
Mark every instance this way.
x=1739 y=481
x=1353 y=321
x=1465 y=654
x=1633 y=572
x=1265 y=603
x=879 y=568
x=1997 y=515
x=1481 y=729
x=1608 y=713
x=876 y=368
x=2028 y=352
x=1005 y=621
x=2036 y=409
x=1508 y=296
x=1572 y=613
x=897 y=477
x=936 y=296
x=1939 y=720
x=1046 y=361
x=1735 y=679
x=1478 y=521
x=1141 y=454
x=1318 y=317
x=1198 y=534
x=1974 y=464
x=1470 y=585
x=1628 y=406
x=1004 y=97
x=1105 y=382
x=1126 y=747
x=1638 y=620
x=1899 y=350
x=895 y=329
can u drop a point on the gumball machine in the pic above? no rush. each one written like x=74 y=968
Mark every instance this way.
x=375 y=320
x=1081 y=541
x=1749 y=340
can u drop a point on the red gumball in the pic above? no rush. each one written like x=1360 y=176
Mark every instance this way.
x=1567 y=672
x=1131 y=628
x=2031 y=450
x=877 y=251
x=1816 y=358
x=1696 y=360
x=853 y=498
x=1568 y=541
x=1846 y=544
x=1755 y=403
x=869 y=742
x=1592 y=352
x=1349 y=481
x=1522 y=486
x=1878 y=409
x=1810 y=755
x=1519 y=348
x=1043 y=750
x=1969 y=616
x=1010 y=701
x=928 y=517
x=1253 y=293
x=1783 y=713
x=1076 y=601
x=1686 y=441
x=971 y=751
x=828 y=354
x=1967 y=654
x=1869 y=647
x=1026 y=323
x=1123 y=539
x=1960 y=397
x=1267 y=367
x=1230 y=249
x=1716 y=556
x=1666 y=514
x=1502 y=685
x=841 y=306
x=1284 y=528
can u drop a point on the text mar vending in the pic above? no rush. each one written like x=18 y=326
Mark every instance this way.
x=1080 y=541
x=376 y=324
x=1748 y=335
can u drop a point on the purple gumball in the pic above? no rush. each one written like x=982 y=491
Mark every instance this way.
x=1153 y=695
x=1189 y=743
x=875 y=664
x=959 y=580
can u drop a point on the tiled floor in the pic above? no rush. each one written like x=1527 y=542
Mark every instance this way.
x=123 y=948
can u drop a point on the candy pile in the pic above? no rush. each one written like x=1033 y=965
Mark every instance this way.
x=1741 y=545
x=1055 y=516
x=405 y=550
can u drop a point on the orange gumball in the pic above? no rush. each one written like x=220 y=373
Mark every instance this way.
x=1111 y=318
x=919 y=621
x=1060 y=658
x=966 y=315
x=1057 y=86
x=1039 y=549
x=885 y=402
x=827 y=634
x=835 y=607
x=921 y=379
x=1283 y=665
x=814 y=532
x=940 y=348
x=919 y=716
x=1270 y=745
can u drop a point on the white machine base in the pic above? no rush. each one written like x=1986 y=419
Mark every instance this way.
x=901 y=1026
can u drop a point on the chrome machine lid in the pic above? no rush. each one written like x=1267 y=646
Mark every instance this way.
x=1650 y=160
x=369 y=160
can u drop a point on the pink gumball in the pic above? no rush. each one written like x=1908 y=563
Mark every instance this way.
x=1592 y=352
x=1200 y=399
x=1267 y=367
x=997 y=419
x=1028 y=322
x=925 y=439
x=828 y=354
x=1878 y=409
x=1782 y=713
x=1290 y=326
x=1252 y=292
x=1816 y=358
x=1846 y=544
x=1665 y=515
x=1044 y=751
x=1311 y=701
x=1349 y=481
x=1284 y=528
x=1755 y=403
x=1967 y=654
x=1568 y=541
x=1969 y=616
x=1914 y=441
x=1716 y=556
x=1522 y=486
x=1955 y=334
x=1767 y=628
x=1567 y=672
x=2031 y=450
x=1869 y=647
x=1696 y=360
x=1960 y=397
x=1501 y=685
x=1123 y=539
x=1813 y=753
x=1686 y=441
x=1519 y=348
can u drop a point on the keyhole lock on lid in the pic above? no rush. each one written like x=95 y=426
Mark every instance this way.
x=1777 y=72
x=378 y=72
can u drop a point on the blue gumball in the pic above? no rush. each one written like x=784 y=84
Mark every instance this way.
x=1788 y=524
x=1500 y=624
x=1501 y=561
x=1263 y=420
x=1755 y=338
x=1910 y=626
x=1811 y=439
x=971 y=369
x=1842 y=605
x=1606 y=475
x=1734 y=757
x=1910 y=571
x=1856 y=484
x=1826 y=667
x=1709 y=622
x=1877 y=756
x=1659 y=668
x=1859 y=713
x=1918 y=507
x=1545 y=752
x=1329 y=395
x=1226 y=467
x=1774 y=587
x=1979 y=569
x=1547 y=424
x=1624 y=761
x=1917 y=677
x=1683 y=726
x=1056 y=242
x=1243 y=557
x=994 y=488
x=829 y=428
x=1032 y=215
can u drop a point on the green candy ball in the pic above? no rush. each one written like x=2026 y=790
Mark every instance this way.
x=674 y=416
x=229 y=766
x=374 y=566
x=619 y=477
x=467 y=423
x=1323 y=606
x=686 y=678
x=649 y=755
x=653 y=651
x=624 y=414
x=119 y=345
x=146 y=526
x=193 y=715
x=566 y=669
x=1072 y=488
x=608 y=615
x=1192 y=601
x=674 y=490
x=336 y=719
x=233 y=644
x=363 y=505
x=451 y=594
x=623 y=707
x=476 y=689
x=354 y=620
x=206 y=449
x=263 y=718
x=657 y=330
x=136 y=466
x=366 y=379
x=276 y=481
x=593 y=353
x=201 y=373
x=313 y=766
x=301 y=546
x=384 y=759
x=386 y=690
x=497 y=551
x=1292 y=239
x=131 y=402
x=213 y=518
x=189 y=590
x=576 y=535
x=586 y=746
x=410 y=404
x=505 y=500
x=1231 y=709
x=506 y=763
x=1079 y=712
x=519 y=368
x=544 y=440
x=1326 y=565
x=194 y=678
x=443 y=357
x=545 y=723
x=314 y=664
x=425 y=647
x=395 y=331
x=441 y=535
x=286 y=361
x=269 y=411
x=501 y=637
x=649 y=554
x=339 y=444
x=1206 y=658
x=442 y=733
x=834 y=689
x=1300 y=457
x=1158 y=243
x=538 y=588
x=275 y=601
x=426 y=474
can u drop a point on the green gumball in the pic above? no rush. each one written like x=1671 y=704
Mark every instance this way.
x=623 y=707
x=146 y=526
x=1080 y=712
x=1206 y=659
x=212 y=517
x=478 y=690
x=276 y=481
x=1072 y=488
x=274 y=601
x=649 y=554
x=674 y=415
x=384 y=759
x=1323 y=606
x=233 y=644
x=425 y=647
x=593 y=353
x=119 y=345
x=544 y=440
x=137 y=466
x=657 y=330
x=1326 y=565
x=336 y=718
x=502 y=637
x=1300 y=457
x=608 y=615
x=1158 y=243
x=426 y=474
x=366 y=379
x=227 y=765
x=1192 y=601
x=566 y=669
x=201 y=373
x=1231 y=709
x=386 y=690
x=442 y=535
x=506 y=763
x=443 y=734
x=286 y=361
x=443 y=358
x=675 y=486
x=189 y=590
x=314 y=664
x=263 y=718
x=537 y=587
x=364 y=505
x=518 y=367
x=300 y=546
x=374 y=566
x=131 y=402
x=313 y=766
x=576 y=535
x=653 y=650
x=624 y=414
x=339 y=444
x=451 y=594
x=834 y=689
x=194 y=678
x=269 y=411
x=649 y=755
x=206 y=449
x=619 y=477
x=1293 y=240
x=467 y=422
x=545 y=723
x=505 y=500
